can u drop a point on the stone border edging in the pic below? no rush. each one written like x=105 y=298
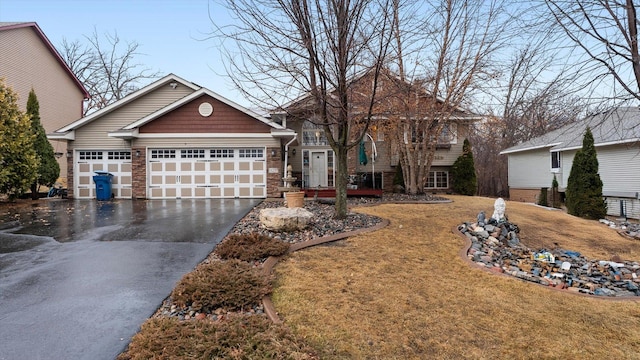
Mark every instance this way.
x=465 y=249
x=271 y=261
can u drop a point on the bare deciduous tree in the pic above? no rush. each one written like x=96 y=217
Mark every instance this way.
x=107 y=68
x=451 y=51
x=278 y=50
x=532 y=103
x=606 y=31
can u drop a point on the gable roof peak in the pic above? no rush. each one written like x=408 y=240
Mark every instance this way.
x=5 y=26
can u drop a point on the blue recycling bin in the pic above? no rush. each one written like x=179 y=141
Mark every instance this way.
x=103 y=185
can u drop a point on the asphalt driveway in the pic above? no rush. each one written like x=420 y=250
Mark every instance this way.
x=78 y=278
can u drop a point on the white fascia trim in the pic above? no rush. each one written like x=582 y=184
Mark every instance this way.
x=69 y=135
x=283 y=133
x=121 y=134
x=203 y=135
x=127 y=99
x=617 y=142
x=504 y=152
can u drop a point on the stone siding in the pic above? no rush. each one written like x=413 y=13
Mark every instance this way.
x=274 y=179
x=70 y=181
x=139 y=172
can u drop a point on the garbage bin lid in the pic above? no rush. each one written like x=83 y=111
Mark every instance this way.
x=103 y=173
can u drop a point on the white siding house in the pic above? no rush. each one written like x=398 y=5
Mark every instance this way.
x=533 y=164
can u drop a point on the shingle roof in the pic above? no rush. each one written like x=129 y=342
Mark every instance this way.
x=6 y=23
x=617 y=126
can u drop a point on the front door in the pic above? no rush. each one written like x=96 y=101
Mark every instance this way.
x=318 y=169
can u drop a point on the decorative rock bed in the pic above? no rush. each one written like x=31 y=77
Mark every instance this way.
x=494 y=245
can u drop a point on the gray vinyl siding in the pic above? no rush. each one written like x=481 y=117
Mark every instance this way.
x=619 y=168
x=631 y=207
x=530 y=169
x=95 y=134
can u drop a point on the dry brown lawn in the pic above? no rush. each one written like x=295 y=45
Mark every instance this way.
x=405 y=293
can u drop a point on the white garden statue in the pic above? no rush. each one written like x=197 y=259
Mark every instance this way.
x=499 y=208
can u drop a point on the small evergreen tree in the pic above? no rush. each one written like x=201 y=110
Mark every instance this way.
x=555 y=195
x=48 y=168
x=18 y=163
x=398 y=178
x=542 y=199
x=464 y=172
x=584 y=186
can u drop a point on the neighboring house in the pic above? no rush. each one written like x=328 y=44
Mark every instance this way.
x=312 y=158
x=28 y=61
x=174 y=139
x=616 y=133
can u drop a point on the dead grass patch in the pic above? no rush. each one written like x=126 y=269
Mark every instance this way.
x=404 y=293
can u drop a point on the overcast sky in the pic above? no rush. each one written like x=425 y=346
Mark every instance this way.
x=169 y=32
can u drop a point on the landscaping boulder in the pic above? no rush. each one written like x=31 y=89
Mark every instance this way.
x=285 y=219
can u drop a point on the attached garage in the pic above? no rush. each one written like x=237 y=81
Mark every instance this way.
x=116 y=162
x=207 y=173
x=176 y=140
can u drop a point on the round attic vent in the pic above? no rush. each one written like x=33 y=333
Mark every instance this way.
x=205 y=109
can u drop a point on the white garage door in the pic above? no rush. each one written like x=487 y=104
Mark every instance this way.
x=207 y=173
x=116 y=162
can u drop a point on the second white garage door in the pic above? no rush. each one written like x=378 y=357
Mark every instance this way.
x=207 y=173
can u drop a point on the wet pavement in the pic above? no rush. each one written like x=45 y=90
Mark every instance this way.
x=78 y=278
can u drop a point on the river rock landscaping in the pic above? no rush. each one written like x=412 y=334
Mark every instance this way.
x=496 y=246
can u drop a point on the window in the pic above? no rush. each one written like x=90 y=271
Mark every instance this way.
x=313 y=135
x=449 y=134
x=251 y=153
x=119 y=155
x=90 y=155
x=438 y=180
x=555 y=160
x=163 y=154
x=376 y=132
x=221 y=153
x=192 y=154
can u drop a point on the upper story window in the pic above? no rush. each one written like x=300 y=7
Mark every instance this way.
x=448 y=135
x=556 y=161
x=313 y=135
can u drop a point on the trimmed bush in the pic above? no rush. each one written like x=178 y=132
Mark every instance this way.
x=398 y=177
x=250 y=247
x=236 y=337
x=230 y=285
x=555 y=195
x=542 y=199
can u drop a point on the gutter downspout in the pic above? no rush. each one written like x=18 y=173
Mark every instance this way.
x=286 y=153
x=374 y=154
